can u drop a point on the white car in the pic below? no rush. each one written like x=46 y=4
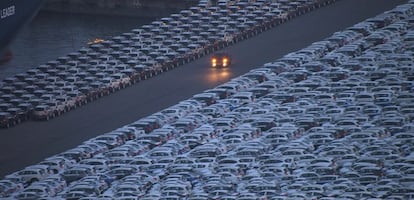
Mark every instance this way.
x=30 y=174
x=245 y=97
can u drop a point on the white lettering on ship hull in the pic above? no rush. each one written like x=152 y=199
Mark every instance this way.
x=7 y=12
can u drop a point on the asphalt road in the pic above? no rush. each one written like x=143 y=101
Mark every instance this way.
x=31 y=142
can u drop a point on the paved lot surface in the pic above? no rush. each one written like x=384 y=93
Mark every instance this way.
x=31 y=142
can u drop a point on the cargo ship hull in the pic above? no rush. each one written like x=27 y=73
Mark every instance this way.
x=14 y=14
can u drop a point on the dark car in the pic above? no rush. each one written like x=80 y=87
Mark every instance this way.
x=220 y=60
x=6 y=120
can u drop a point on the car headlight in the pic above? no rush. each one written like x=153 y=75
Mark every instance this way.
x=225 y=62
x=214 y=62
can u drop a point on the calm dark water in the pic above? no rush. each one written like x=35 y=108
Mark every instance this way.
x=51 y=35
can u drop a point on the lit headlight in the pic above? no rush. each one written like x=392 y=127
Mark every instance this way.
x=225 y=60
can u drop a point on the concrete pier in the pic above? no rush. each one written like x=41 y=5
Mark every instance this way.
x=139 y=8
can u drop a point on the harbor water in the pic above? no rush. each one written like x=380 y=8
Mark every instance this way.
x=51 y=35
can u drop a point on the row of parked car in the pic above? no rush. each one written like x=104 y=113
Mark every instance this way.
x=334 y=120
x=70 y=81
